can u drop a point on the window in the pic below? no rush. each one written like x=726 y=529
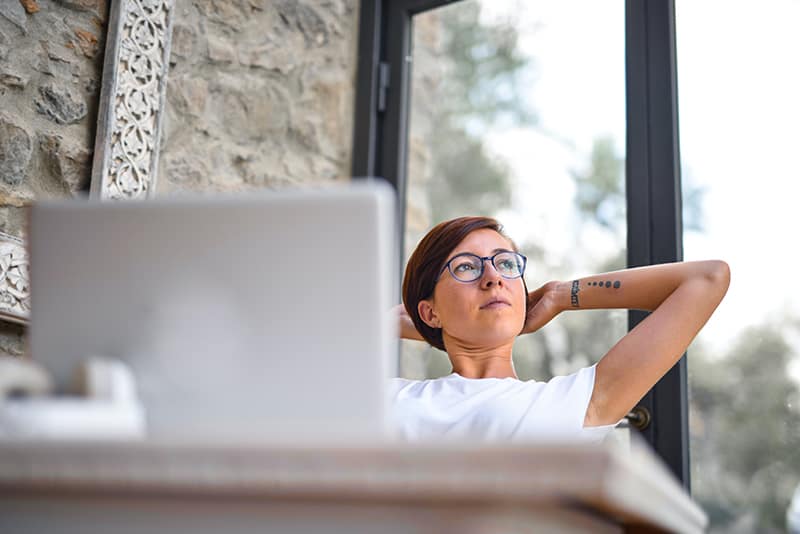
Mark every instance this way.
x=739 y=139
x=652 y=209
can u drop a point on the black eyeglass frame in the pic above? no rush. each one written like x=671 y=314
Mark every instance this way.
x=483 y=266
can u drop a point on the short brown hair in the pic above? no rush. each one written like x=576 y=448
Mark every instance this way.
x=427 y=261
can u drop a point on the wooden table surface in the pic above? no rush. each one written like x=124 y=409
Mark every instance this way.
x=630 y=488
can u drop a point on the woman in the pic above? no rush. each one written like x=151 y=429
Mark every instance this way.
x=464 y=293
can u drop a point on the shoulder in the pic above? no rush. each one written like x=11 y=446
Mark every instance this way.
x=580 y=382
x=582 y=385
x=574 y=392
x=398 y=385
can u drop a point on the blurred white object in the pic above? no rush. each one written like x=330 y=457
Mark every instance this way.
x=793 y=513
x=108 y=380
x=107 y=409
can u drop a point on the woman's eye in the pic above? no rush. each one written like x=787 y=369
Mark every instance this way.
x=507 y=265
x=464 y=267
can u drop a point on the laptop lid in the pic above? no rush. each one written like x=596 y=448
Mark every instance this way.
x=257 y=317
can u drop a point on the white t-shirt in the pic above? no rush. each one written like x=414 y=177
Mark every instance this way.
x=494 y=409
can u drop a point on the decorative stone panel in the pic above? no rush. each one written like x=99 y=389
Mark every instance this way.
x=131 y=100
x=15 y=301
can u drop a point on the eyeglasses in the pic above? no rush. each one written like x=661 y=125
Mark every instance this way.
x=468 y=267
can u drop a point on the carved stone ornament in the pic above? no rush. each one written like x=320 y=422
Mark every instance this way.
x=15 y=298
x=132 y=99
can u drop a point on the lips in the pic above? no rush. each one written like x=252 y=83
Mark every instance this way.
x=494 y=303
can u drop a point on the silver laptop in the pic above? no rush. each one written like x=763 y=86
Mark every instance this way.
x=256 y=317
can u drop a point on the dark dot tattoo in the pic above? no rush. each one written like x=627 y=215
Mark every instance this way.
x=606 y=283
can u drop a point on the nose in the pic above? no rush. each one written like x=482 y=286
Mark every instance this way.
x=491 y=277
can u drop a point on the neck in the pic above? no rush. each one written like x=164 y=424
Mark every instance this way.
x=483 y=362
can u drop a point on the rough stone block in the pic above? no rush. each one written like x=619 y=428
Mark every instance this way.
x=84 y=5
x=12 y=340
x=220 y=50
x=70 y=164
x=15 y=151
x=19 y=198
x=188 y=94
x=10 y=79
x=60 y=104
x=184 y=41
x=305 y=19
x=231 y=13
x=268 y=56
x=30 y=6
x=186 y=171
x=87 y=42
x=249 y=109
x=15 y=13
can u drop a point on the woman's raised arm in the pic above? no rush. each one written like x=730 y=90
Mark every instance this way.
x=681 y=296
x=405 y=326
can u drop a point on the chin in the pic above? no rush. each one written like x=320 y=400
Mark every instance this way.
x=503 y=322
x=500 y=334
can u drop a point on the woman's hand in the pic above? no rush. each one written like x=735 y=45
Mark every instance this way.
x=543 y=305
x=405 y=326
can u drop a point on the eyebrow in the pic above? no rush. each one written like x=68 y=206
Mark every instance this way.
x=495 y=251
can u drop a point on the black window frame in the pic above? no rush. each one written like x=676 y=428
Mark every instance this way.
x=652 y=172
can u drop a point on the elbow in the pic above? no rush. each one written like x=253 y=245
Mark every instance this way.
x=718 y=273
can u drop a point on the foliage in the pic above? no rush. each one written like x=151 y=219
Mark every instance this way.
x=746 y=459
x=481 y=88
x=600 y=192
x=468 y=180
x=484 y=78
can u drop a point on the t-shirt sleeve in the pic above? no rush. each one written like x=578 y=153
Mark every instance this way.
x=591 y=433
x=574 y=392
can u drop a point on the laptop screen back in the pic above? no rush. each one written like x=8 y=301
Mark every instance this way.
x=261 y=317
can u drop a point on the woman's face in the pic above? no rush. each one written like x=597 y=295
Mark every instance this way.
x=486 y=312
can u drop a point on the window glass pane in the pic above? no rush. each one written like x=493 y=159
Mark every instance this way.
x=518 y=112
x=739 y=116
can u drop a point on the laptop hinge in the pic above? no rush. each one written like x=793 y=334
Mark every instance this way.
x=383 y=85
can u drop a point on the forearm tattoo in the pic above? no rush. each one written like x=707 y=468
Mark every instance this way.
x=606 y=283
x=616 y=284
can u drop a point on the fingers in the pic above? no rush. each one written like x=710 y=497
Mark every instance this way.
x=406 y=328
x=534 y=323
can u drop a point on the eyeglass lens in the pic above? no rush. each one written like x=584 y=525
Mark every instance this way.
x=469 y=267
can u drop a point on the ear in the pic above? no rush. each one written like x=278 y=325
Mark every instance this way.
x=427 y=314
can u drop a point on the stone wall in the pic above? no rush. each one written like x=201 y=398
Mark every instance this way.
x=260 y=94
x=51 y=55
